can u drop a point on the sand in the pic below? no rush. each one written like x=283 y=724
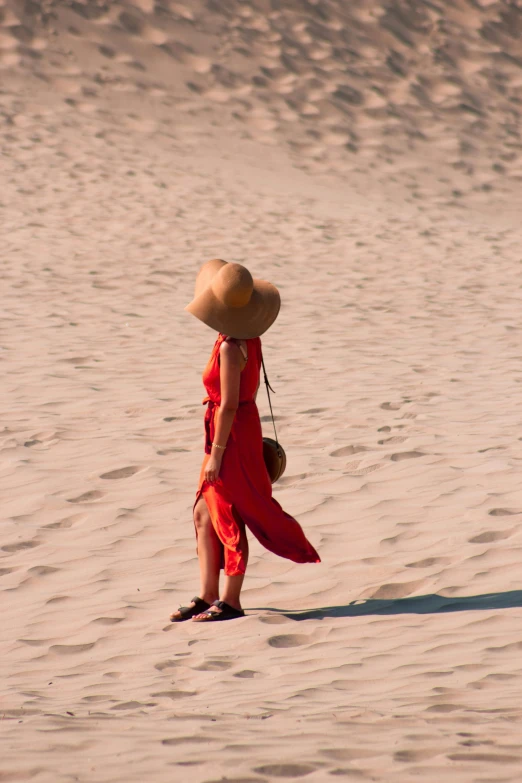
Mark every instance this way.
x=366 y=158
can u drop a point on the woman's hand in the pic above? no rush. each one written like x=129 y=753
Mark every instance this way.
x=213 y=467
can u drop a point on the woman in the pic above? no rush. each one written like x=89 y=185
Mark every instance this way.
x=234 y=489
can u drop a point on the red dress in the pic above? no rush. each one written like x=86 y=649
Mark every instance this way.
x=242 y=493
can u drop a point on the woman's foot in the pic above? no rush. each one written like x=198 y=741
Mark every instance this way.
x=218 y=611
x=196 y=606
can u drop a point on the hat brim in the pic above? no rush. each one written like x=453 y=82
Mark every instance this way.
x=246 y=322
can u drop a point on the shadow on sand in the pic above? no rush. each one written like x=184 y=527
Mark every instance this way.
x=422 y=604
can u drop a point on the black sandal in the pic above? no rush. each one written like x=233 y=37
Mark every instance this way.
x=226 y=612
x=187 y=612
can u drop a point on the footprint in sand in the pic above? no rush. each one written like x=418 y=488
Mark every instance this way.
x=106 y=51
x=428 y=562
x=399 y=456
x=71 y=649
x=485 y=758
x=87 y=497
x=391 y=406
x=445 y=708
x=170 y=664
x=20 y=545
x=77 y=359
x=348 y=95
x=346 y=451
x=137 y=67
x=132 y=705
x=285 y=770
x=489 y=536
x=397 y=590
x=131 y=24
x=194 y=88
x=392 y=540
x=213 y=666
x=288 y=640
x=177 y=50
x=273 y=619
x=65 y=523
x=89 y=11
x=338 y=754
x=121 y=473
x=502 y=512
x=409 y=756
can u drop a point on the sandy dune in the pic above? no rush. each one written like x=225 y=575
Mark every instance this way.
x=366 y=157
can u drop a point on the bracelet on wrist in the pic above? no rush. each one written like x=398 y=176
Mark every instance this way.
x=217 y=446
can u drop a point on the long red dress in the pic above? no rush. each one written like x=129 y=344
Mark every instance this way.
x=243 y=491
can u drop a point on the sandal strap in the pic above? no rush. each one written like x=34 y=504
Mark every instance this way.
x=199 y=606
x=228 y=610
x=196 y=600
x=223 y=606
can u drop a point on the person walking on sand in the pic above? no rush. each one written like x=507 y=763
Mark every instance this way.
x=234 y=491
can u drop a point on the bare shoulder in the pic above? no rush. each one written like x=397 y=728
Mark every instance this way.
x=230 y=350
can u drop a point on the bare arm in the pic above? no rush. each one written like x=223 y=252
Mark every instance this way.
x=230 y=361
x=230 y=374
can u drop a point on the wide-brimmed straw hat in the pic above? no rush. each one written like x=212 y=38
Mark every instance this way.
x=228 y=299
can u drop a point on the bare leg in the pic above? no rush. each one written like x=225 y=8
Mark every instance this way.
x=232 y=588
x=209 y=555
x=233 y=584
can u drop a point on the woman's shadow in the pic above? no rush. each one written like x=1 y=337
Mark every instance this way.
x=422 y=604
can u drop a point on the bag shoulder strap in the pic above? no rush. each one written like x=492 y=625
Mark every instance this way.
x=268 y=390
